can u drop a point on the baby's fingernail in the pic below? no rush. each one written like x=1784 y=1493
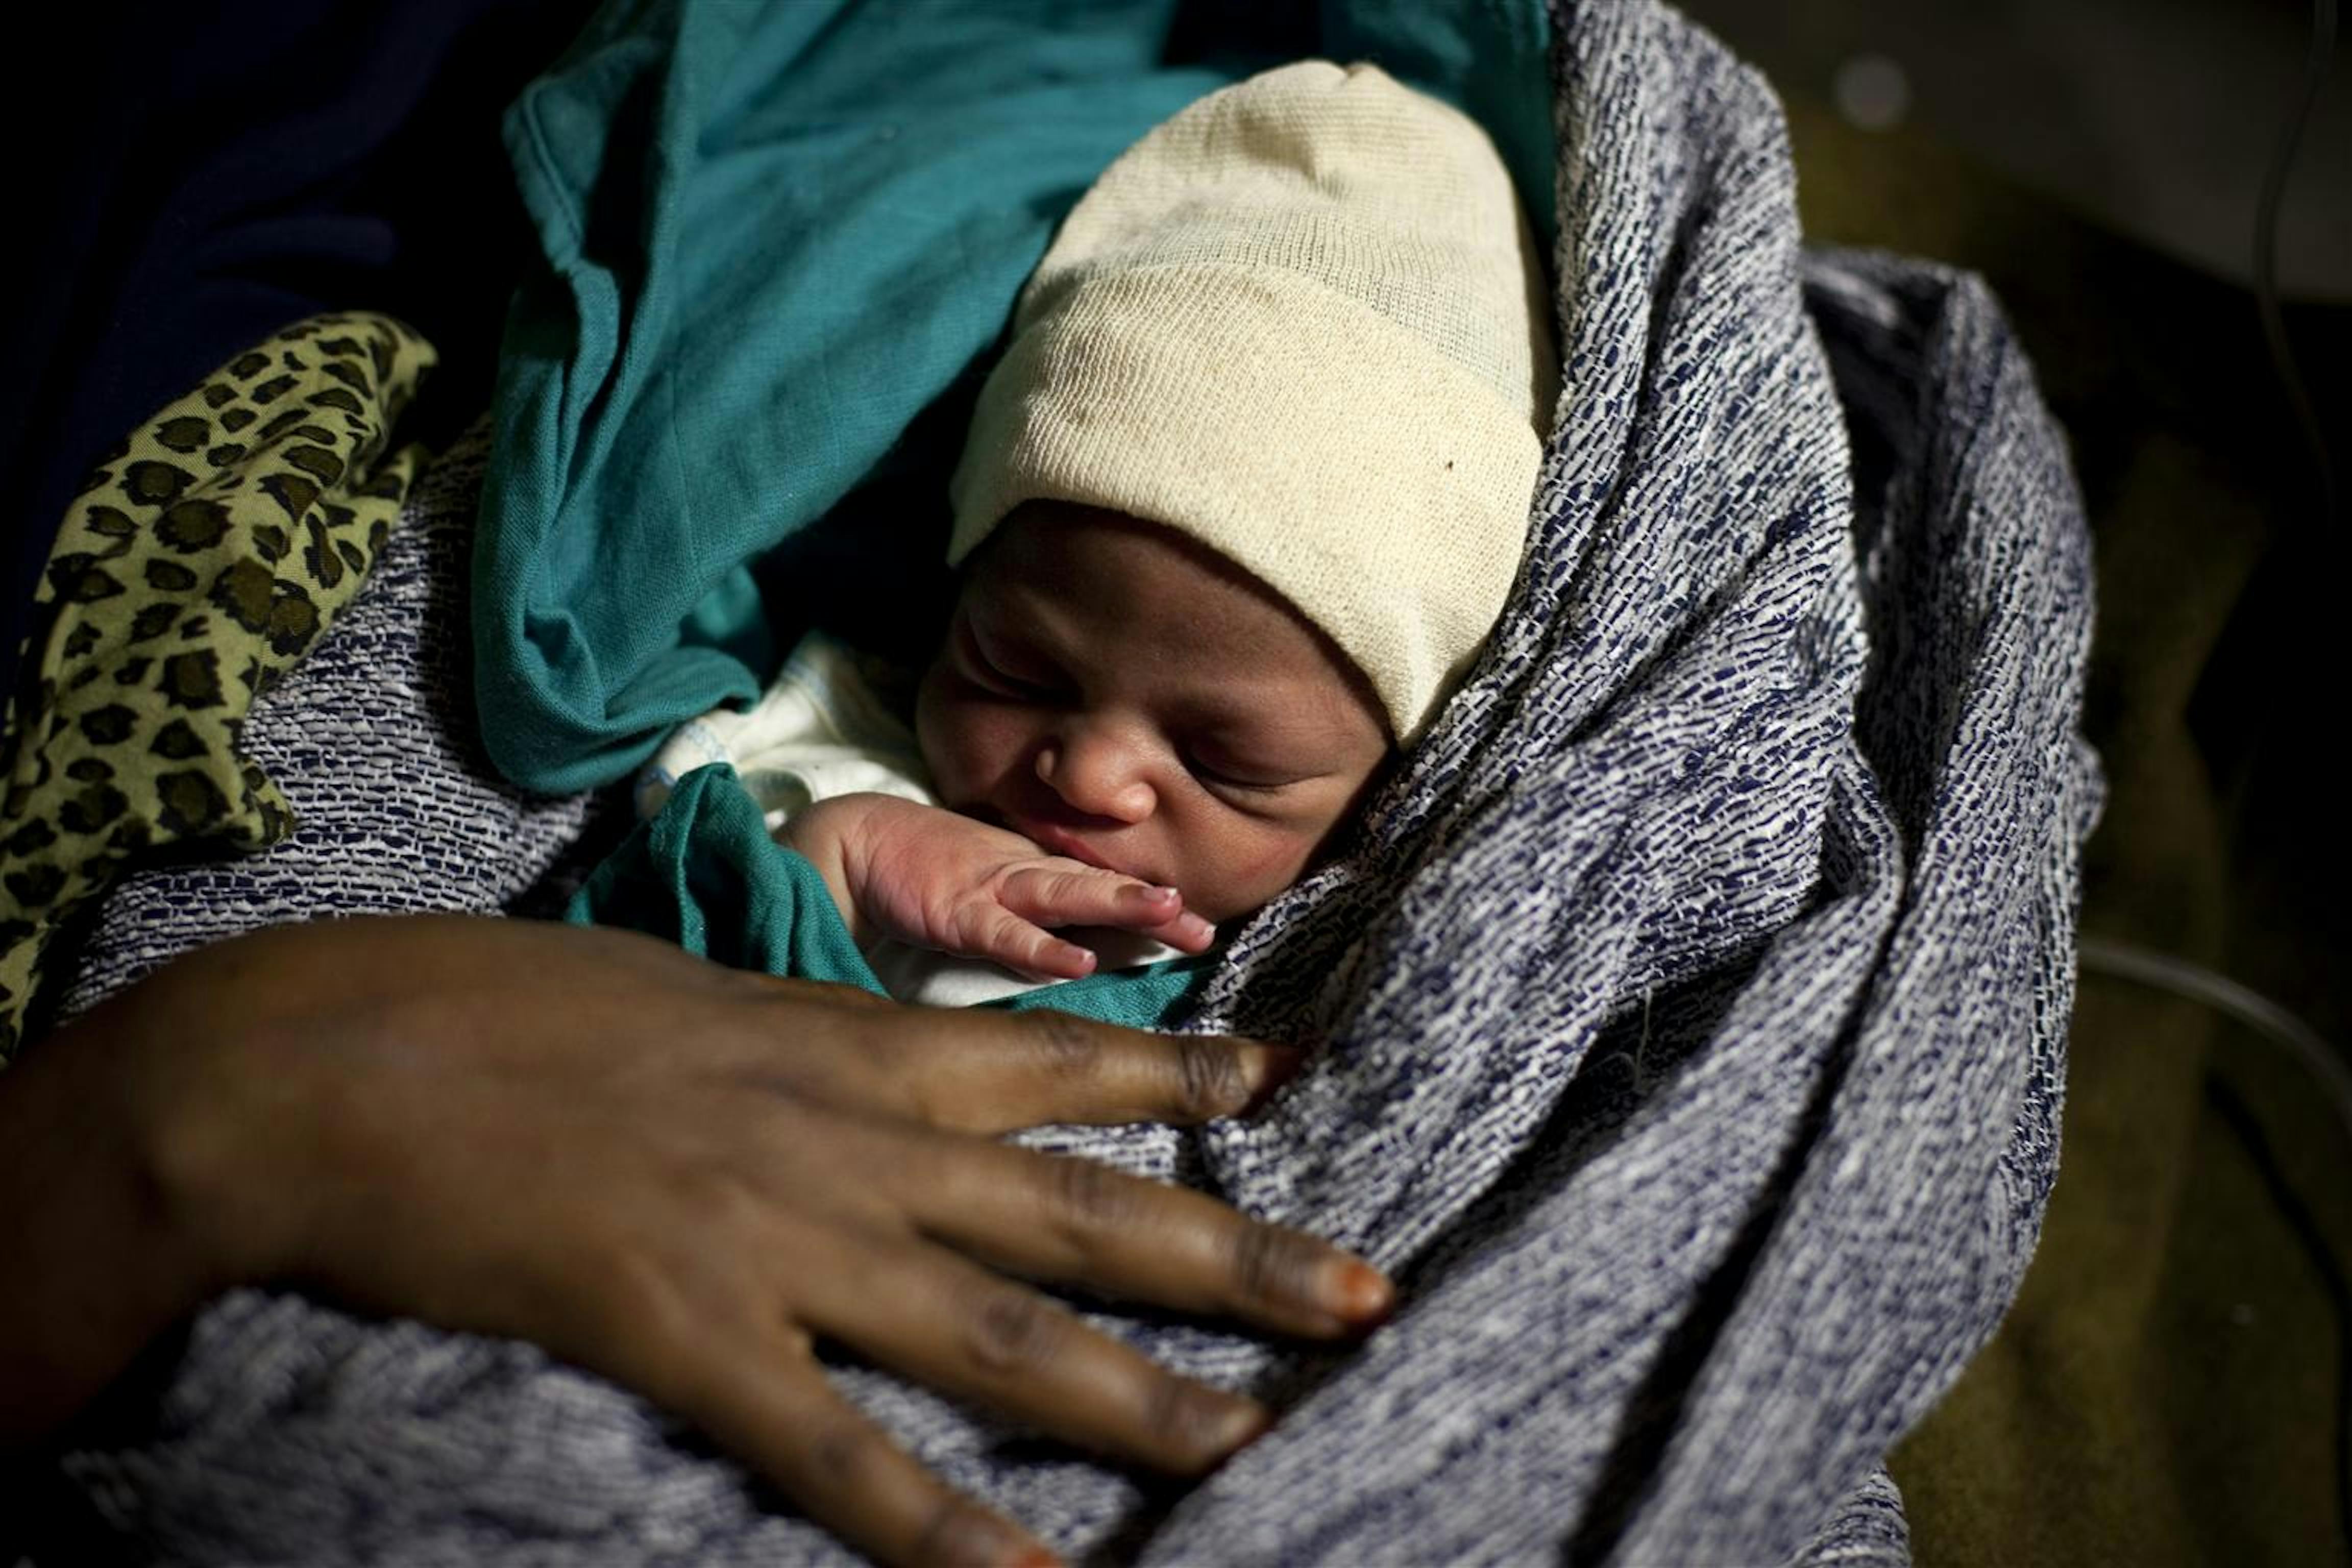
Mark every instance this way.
x=1064 y=961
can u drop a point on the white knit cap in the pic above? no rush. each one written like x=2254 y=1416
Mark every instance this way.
x=1302 y=321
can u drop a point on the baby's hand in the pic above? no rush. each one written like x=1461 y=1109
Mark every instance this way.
x=929 y=878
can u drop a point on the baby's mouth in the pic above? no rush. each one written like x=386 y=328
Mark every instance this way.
x=1052 y=837
x=1061 y=841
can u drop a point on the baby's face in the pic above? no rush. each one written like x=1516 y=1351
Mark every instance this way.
x=1126 y=697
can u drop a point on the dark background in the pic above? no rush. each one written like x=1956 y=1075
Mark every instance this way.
x=2171 y=1386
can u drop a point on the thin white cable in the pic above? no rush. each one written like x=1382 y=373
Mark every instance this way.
x=2250 y=1007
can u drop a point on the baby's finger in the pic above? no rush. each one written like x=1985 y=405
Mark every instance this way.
x=1188 y=932
x=1070 y=894
x=1004 y=937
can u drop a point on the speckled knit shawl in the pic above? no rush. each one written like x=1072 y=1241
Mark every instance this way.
x=1695 y=1006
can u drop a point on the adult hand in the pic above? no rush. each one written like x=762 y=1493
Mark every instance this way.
x=675 y=1173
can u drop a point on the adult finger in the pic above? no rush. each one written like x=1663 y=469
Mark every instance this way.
x=783 y=1418
x=952 y=1325
x=988 y=1070
x=1073 y=1221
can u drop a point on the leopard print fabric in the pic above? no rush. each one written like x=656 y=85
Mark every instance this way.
x=203 y=557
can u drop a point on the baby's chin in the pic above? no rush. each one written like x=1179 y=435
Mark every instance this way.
x=1227 y=911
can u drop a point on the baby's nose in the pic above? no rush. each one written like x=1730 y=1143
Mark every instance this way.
x=1097 y=775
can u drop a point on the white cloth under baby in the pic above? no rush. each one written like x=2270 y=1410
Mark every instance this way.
x=834 y=722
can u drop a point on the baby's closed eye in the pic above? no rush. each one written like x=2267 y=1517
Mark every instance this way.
x=1238 y=775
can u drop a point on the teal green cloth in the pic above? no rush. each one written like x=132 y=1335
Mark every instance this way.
x=773 y=236
x=703 y=874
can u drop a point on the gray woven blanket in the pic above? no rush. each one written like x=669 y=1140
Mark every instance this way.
x=1694 y=1008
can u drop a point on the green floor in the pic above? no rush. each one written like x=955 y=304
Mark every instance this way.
x=2167 y=1388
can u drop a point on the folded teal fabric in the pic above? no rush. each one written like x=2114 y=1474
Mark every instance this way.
x=703 y=873
x=710 y=845
x=775 y=235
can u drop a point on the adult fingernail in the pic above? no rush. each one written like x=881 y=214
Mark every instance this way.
x=975 y=1537
x=1356 y=1290
x=1241 y=1422
x=1271 y=1065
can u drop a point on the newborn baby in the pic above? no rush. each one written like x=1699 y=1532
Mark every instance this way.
x=1140 y=734
x=1238 y=508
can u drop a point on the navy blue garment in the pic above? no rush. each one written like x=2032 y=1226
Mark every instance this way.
x=224 y=169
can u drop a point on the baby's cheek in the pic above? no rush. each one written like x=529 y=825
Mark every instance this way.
x=944 y=732
x=1260 y=865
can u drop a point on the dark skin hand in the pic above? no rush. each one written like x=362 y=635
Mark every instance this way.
x=677 y=1174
